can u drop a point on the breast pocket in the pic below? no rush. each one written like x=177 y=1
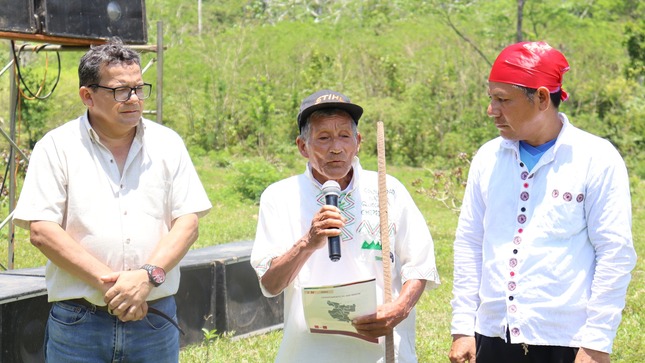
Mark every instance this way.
x=153 y=199
x=563 y=213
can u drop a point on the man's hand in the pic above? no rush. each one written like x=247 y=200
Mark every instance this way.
x=390 y=315
x=126 y=299
x=463 y=349
x=586 y=355
x=381 y=323
x=326 y=223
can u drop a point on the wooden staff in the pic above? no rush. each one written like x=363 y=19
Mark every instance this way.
x=385 y=234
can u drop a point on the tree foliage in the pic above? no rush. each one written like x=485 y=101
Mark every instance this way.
x=419 y=66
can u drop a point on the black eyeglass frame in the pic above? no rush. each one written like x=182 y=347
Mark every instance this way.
x=136 y=89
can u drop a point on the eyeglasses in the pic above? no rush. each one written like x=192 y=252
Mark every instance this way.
x=122 y=94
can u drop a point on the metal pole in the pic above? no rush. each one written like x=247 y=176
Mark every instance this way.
x=12 y=165
x=77 y=48
x=199 y=17
x=159 y=72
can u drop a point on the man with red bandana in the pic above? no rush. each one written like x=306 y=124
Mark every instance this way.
x=543 y=249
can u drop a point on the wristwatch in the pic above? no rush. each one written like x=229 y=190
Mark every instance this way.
x=156 y=274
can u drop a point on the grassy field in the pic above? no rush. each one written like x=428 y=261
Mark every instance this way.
x=433 y=311
x=234 y=218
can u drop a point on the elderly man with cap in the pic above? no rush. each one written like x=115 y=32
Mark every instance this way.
x=290 y=250
x=543 y=249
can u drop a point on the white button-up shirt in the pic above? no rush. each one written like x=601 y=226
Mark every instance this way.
x=546 y=253
x=73 y=180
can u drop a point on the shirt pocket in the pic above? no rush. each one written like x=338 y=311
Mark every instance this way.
x=153 y=199
x=564 y=214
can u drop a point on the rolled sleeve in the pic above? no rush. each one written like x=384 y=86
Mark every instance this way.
x=415 y=243
x=264 y=250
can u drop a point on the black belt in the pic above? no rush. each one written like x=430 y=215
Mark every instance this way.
x=151 y=310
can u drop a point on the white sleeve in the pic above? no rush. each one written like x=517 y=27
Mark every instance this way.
x=609 y=222
x=266 y=246
x=468 y=257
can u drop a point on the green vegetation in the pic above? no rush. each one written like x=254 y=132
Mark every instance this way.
x=421 y=67
x=433 y=312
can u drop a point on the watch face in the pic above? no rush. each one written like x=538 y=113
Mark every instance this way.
x=158 y=275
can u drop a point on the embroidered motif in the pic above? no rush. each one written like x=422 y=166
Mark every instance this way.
x=346 y=205
x=374 y=235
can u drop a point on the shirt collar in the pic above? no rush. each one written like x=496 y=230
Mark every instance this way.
x=549 y=155
x=512 y=144
x=85 y=120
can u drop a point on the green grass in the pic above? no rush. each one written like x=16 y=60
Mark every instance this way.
x=234 y=218
x=433 y=311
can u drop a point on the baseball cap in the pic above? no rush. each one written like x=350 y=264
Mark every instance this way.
x=532 y=65
x=327 y=99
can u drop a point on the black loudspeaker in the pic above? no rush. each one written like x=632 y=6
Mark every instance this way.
x=23 y=315
x=241 y=307
x=17 y=16
x=195 y=301
x=96 y=19
x=219 y=290
x=78 y=20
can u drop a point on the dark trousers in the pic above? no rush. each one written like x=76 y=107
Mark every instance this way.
x=496 y=350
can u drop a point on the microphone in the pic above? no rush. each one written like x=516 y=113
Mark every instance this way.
x=331 y=190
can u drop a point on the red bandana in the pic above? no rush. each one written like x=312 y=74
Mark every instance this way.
x=532 y=65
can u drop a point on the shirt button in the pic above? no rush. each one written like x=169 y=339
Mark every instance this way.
x=511 y=298
x=511 y=286
x=515 y=332
x=512 y=309
x=512 y=262
x=515 y=251
x=127 y=241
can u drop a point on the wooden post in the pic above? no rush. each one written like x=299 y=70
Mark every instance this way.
x=385 y=233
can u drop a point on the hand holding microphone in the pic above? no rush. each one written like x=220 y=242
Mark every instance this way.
x=331 y=190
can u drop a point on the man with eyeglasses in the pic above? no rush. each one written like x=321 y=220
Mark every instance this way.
x=113 y=201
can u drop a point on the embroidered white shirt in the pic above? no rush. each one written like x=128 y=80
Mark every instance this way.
x=546 y=253
x=286 y=210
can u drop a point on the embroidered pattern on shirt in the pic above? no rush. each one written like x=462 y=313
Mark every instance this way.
x=346 y=205
x=374 y=234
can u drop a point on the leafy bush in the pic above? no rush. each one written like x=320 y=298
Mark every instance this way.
x=253 y=176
